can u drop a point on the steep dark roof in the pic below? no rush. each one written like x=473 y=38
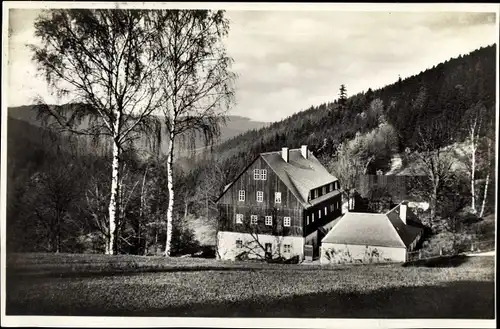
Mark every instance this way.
x=384 y=230
x=299 y=174
x=409 y=231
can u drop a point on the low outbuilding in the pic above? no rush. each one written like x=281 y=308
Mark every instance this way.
x=372 y=238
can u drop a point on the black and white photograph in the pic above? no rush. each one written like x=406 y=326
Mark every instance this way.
x=249 y=164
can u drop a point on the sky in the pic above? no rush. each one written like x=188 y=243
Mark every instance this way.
x=287 y=61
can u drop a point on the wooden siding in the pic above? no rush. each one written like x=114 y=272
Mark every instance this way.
x=313 y=226
x=229 y=204
x=228 y=220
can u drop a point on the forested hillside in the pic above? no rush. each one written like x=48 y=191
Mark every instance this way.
x=425 y=120
x=58 y=190
x=447 y=90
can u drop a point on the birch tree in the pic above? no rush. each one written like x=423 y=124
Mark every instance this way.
x=473 y=127
x=101 y=62
x=197 y=84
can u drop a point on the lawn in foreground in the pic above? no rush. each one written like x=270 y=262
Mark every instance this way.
x=391 y=291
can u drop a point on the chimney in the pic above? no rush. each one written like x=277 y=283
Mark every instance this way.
x=402 y=211
x=284 y=153
x=303 y=150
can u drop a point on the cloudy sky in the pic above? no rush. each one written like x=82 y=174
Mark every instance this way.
x=290 y=60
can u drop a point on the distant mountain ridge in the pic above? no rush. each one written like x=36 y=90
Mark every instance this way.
x=234 y=126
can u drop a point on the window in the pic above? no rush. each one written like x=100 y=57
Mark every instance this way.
x=239 y=218
x=332 y=207
x=260 y=196
x=324 y=189
x=314 y=194
x=319 y=213
x=263 y=174
x=269 y=220
x=241 y=195
x=332 y=186
x=239 y=244
x=277 y=197
x=307 y=219
x=287 y=248
x=312 y=218
x=287 y=221
x=256 y=174
x=253 y=219
x=326 y=210
x=327 y=188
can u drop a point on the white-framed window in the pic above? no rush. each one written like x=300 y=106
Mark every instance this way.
x=319 y=213
x=239 y=218
x=241 y=195
x=239 y=244
x=263 y=174
x=326 y=210
x=269 y=220
x=277 y=197
x=287 y=221
x=287 y=248
x=307 y=221
x=260 y=196
x=256 y=174
x=253 y=219
x=312 y=218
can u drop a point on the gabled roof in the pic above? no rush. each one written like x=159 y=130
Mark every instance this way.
x=384 y=230
x=299 y=174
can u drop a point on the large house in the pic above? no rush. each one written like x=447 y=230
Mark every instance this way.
x=280 y=205
x=360 y=237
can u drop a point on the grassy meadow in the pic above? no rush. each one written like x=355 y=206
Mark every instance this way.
x=100 y=285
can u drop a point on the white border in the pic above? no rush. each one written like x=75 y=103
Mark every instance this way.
x=61 y=321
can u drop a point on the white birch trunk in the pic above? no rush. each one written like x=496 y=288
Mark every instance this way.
x=485 y=194
x=113 y=200
x=486 y=183
x=473 y=168
x=170 y=187
x=472 y=181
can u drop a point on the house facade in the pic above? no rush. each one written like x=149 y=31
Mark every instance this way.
x=360 y=237
x=277 y=207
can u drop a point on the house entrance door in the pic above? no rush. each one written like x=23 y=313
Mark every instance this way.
x=269 y=250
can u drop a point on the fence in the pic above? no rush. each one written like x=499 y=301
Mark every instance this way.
x=469 y=247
